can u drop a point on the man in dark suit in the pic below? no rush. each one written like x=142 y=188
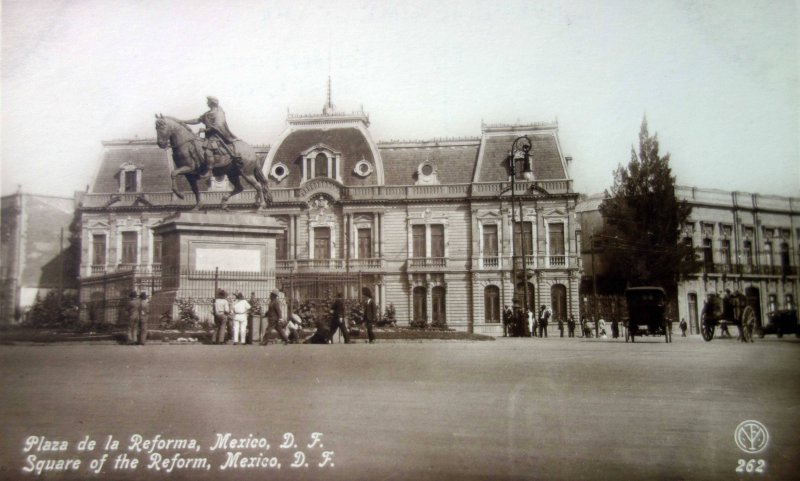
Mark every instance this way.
x=337 y=319
x=370 y=312
x=275 y=318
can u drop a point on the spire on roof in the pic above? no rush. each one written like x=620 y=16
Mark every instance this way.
x=328 y=109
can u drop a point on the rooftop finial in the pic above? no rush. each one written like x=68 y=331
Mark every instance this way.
x=328 y=108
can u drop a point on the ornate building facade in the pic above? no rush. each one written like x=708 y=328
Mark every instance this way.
x=428 y=223
x=746 y=242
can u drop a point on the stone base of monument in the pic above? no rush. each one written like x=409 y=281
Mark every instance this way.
x=202 y=252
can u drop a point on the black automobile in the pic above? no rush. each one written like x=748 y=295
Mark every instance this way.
x=646 y=309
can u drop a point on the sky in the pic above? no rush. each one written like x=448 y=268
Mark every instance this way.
x=719 y=81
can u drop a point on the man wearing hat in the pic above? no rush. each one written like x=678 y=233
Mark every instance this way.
x=216 y=131
x=337 y=319
x=222 y=310
x=370 y=312
x=275 y=317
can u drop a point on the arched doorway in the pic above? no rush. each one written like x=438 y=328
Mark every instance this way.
x=491 y=304
x=420 y=295
x=558 y=301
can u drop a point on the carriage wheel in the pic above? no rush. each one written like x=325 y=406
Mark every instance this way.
x=707 y=331
x=748 y=324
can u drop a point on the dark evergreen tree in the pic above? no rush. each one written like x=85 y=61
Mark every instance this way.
x=642 y=221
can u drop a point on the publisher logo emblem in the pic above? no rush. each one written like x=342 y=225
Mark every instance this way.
x=751 y=436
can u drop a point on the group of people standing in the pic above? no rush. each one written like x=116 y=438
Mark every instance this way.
x=524 y=323
x=241 y=314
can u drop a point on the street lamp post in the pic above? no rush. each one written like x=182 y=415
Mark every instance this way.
x=519 y=149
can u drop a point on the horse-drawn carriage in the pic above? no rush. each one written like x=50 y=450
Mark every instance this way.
x=779 y=322
x=646 y=313
x=733 y=310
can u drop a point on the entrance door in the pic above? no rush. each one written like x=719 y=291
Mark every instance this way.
x=693 y=313
x=558 y=299
x=754 y=300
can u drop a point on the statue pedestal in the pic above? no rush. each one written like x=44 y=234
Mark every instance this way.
x=202 y=252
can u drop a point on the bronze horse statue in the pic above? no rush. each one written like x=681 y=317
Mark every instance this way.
x=188 y=155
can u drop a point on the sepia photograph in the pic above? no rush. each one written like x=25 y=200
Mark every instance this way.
x=354 y=240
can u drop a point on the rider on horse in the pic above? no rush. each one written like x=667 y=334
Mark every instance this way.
x=220 y=139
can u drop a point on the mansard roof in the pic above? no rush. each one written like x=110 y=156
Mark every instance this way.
x=453 y=159
x=145 y=155
x=547 y=161
x=349 y=141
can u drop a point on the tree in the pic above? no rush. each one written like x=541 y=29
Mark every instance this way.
x=642 y=221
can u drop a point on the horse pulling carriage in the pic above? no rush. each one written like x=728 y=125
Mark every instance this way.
x=646 y=313
x=732 y=310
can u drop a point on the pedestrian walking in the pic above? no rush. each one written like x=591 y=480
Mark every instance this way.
x=275 y=317
x=370 y=312
x=683 y=327
x=506 y=319
x=571 y=326
x=221 y=310
x=240 y=309
x=614 y=328
x=337 y=319
x=561 y=327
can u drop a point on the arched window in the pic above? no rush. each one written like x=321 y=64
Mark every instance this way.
x=558 y=299
x=321 y=165
x=491 y=304
x=420 y=304
x=438 y=298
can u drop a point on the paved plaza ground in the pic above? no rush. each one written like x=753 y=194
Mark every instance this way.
x=566 y=409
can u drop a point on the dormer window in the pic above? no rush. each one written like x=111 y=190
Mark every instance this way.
x=426 y=173
x=321 y=161
x=363 y=168
x=279 y=171
x=130 y=178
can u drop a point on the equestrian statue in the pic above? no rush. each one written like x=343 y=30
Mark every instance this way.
x=219 y=153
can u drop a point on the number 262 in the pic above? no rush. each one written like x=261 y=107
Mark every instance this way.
x=751 y=466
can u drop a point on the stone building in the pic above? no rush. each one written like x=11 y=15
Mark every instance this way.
x=34 y=257
x=427 y=224
x=749 y=242
x=746 y=242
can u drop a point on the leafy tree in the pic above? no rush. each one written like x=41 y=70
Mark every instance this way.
x=642 y=220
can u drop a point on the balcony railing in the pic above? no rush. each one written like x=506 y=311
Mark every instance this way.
x=427 y=262
x=137 y=269
x=378 y=193
x=490 y=262
x=531 y=262
x=370 y=264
